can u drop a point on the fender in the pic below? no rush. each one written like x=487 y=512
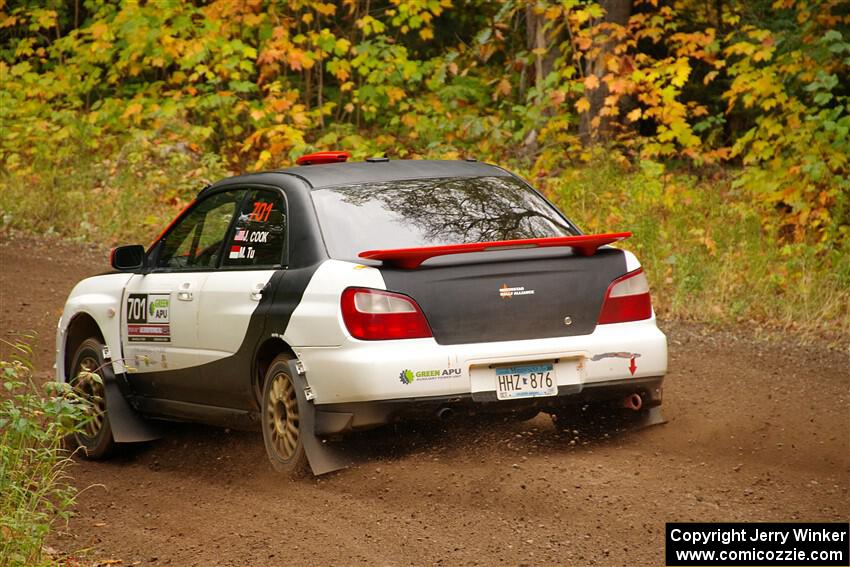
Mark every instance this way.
x=100 y=298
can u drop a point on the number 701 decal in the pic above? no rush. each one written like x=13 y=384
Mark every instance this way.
x=148 y=317
x=261 y=211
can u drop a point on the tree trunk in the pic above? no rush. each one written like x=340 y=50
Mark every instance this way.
x=536 y=38
x=616 y=12
x=546 y=46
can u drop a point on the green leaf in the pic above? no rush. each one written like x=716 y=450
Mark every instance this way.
x=822 y=98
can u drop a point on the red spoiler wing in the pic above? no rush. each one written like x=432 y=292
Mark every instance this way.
x=410 y=258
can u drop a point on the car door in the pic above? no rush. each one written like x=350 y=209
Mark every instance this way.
x=232 y=311
x=160 y=316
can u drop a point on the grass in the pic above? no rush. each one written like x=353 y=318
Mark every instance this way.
x=709 y=253
x=35 y=490
x=124 y=198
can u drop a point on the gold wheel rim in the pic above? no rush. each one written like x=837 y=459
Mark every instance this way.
x=281 y=419
x=93 y=392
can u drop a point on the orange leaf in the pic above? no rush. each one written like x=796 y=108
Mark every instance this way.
x=98 y=30
x=557 y=97
x=583 y=105
x=591 y=82
x=618 y=86
x=134 y=108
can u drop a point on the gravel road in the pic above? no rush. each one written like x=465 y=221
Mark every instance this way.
x=757 y=431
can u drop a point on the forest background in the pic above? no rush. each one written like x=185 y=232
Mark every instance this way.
x=718 y=131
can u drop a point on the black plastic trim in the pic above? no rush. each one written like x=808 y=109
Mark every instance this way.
x=159 y=408
x=337 y=418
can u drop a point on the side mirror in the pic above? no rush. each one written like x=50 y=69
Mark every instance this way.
x=128 y=258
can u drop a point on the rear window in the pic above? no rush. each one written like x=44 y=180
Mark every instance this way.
x=432 y=212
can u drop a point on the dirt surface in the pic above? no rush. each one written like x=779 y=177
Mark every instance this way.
x=757 y=432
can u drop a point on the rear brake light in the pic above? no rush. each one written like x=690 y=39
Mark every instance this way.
x=627 y=299
x=371 y=315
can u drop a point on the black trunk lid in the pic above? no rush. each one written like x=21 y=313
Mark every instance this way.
x=510 y=295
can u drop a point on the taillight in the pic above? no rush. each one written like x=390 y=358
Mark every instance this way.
x=627 y=299
x=372 y=315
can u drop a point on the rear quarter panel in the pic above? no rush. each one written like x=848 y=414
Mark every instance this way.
x=317 y=321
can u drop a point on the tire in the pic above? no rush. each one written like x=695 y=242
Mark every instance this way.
x=281 y=422
x=95 y=438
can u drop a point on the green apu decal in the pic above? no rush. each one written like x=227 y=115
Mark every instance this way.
x=158 y=309
x=408 y=376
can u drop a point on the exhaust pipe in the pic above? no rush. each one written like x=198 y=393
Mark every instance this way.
x=443 y=414
x=633 y=402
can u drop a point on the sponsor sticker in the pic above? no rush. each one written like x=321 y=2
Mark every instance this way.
x=148 y=317
x=409 y=376
x=631 y=356
x=626 y=355
x=505 y=291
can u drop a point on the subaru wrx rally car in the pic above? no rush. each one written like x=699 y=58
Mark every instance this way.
x=330 y=297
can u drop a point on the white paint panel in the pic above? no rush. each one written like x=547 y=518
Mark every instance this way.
x=632 y=262
x=317 y=321
x=183 y=290
x=227 y=302
x=100 y=298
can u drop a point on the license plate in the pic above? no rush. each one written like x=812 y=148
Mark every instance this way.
x=526 y=381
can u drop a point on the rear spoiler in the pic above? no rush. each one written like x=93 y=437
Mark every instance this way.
x=410 y=258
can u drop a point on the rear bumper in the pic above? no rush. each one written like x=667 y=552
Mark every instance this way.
x=332 y=419
x=419 y=369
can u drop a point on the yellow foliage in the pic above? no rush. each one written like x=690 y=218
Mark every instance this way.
x=133 y=108
x=591 y=82
x=582 y=105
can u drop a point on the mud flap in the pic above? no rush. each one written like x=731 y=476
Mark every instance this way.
x=323 y=457
x=127 y=426
x=650 y=417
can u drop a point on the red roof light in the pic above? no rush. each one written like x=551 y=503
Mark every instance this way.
x=319 y=158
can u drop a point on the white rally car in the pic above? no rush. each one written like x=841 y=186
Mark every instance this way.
x=330 y=297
